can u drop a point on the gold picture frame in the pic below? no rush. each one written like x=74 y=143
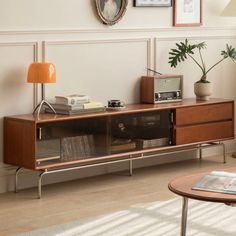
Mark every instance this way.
x=111 y=11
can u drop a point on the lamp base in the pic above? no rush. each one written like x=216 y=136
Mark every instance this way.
x=41 y=104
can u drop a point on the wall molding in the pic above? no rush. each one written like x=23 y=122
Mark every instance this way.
x=112 y=30
x=205 y=37
x=35 y=45
x=148 y=42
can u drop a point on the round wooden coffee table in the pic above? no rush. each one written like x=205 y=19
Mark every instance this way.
x=183 y=187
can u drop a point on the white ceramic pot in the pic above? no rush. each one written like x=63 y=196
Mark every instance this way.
x=202 y=91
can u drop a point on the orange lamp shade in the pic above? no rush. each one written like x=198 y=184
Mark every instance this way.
x=41 y=73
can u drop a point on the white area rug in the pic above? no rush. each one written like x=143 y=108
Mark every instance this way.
x=154 y=219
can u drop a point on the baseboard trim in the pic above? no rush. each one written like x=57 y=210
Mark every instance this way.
x=6 y=170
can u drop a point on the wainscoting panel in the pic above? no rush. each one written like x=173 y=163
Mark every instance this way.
x=16 y=96
x=102 y=69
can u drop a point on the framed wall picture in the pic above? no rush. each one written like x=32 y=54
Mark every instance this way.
x=152 y=3
x=187 y=12
x=111 y=11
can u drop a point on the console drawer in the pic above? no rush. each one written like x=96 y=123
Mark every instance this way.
x=204 y=113
x=204 y=132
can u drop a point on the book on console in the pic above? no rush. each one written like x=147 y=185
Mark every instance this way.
x=217 y=181
x=92 y=104
x=72 y=99
x=67 y=107
x=78 y=111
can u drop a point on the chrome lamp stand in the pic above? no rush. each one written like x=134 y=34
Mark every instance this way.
x=43 y=102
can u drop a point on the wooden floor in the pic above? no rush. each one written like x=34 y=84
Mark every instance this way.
x=80 y=199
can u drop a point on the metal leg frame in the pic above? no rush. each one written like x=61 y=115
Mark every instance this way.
x=200 y=147
x=130 y=158
x=224 y=151
x=200 y=152
x=184 y=216
x=131 y=167
x=16 y=178
x=40 y=183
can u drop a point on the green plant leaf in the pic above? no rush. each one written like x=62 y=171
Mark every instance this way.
x=229 y=52
x=184 y=49
x=201 y=45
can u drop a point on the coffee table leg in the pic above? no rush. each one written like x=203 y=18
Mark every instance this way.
x=184 y=216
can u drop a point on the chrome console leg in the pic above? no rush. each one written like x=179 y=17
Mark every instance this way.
x=200 y=152
x=16 y=178
x=131 y=167
x=184 y=216
x=40 y=183
x=224 y=152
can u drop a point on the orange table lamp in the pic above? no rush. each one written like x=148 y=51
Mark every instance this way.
x=42 y=73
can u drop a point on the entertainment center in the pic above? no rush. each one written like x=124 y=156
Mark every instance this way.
x=55 y=143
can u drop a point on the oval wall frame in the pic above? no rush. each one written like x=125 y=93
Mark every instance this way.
x=111 y=11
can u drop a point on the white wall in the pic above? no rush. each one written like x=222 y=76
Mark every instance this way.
x=102 y=61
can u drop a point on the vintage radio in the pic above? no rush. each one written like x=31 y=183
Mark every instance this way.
x=161 y=88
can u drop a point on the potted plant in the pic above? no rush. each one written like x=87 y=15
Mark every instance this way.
x=184 y=50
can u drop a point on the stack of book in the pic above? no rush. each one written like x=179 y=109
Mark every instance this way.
x=151 y=143
x=120 y=145
x=78 y=147
x=75 y=104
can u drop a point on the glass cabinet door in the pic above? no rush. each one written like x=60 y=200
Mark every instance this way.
x=140 y=131
x=88 y=138
x=71 y=140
